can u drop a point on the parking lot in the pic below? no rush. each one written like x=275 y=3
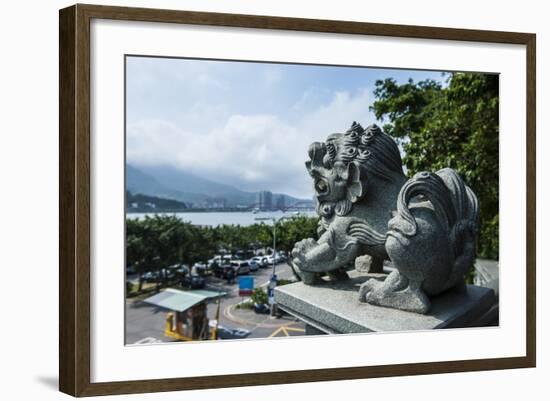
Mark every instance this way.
x=145 y=323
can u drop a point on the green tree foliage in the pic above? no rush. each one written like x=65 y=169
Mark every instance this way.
x=453 y=125
x=235 y=237
x=295 y=229
x=159 y=241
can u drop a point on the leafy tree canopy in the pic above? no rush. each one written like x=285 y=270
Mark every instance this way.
x=159 y=241
x=453 y=125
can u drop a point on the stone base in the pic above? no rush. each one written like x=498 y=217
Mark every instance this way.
x=486 y=274
x=334 y=308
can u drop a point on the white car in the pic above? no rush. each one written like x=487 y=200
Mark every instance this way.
x=219 y=260
x=253 y=265
x=261 y=261
x=240 y=266
x=279 y=258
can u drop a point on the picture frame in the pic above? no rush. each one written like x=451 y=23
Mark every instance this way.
x=76 y=201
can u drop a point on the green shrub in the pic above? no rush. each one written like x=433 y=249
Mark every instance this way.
x=259 y=296
x=245 y=305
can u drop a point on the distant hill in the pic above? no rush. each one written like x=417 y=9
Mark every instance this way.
x=186 y=182
x=147 y=203
x=171 y=183
x=138 y=182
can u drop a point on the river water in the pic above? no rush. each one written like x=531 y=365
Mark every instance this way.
x=236 y=218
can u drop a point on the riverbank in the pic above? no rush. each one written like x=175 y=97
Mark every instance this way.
x=230 y=217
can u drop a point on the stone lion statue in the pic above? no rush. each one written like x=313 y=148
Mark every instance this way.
x=426 y=225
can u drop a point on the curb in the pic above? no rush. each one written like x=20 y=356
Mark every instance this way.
x=227 y=313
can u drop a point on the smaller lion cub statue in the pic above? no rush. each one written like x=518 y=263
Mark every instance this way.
x=426 y=225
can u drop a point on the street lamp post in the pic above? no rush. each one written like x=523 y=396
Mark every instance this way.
x=273 y=280
x=274 y=245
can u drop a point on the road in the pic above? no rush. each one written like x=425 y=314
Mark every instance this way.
x=145 y=323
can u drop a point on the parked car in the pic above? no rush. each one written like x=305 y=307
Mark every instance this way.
x=219 y=260
x=200 y=268
x=261 y=261
x=182 y=269
x=230 y=273
x=149 y=277
x=158 y=275
x=281 y=257
x=244 y=254
x=262 y=308
x=193 y=281
x=169 y=274
x=217 y=270
x=278 y=258
x=223 y=271
x=226 y=333
x=241 y=267
x=240 y=332
x=253 y=265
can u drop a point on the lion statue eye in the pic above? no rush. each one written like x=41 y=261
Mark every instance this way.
x=321 y=186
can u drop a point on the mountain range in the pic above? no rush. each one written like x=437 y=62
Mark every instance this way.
x=171 y=183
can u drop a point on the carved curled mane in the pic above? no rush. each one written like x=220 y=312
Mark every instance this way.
x=369 y=148
x=355 y=155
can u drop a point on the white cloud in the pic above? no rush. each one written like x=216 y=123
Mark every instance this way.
x=253 y=152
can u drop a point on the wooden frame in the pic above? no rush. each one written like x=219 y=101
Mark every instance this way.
x=74 y=203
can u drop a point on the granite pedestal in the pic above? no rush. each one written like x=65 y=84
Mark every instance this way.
x=333 y=307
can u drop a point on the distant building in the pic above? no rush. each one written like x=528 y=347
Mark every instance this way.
x=280 y=203
x=217 y=203
x=265 y=200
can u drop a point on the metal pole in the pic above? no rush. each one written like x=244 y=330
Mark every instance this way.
x=272 y=281
x=274 y=305
x=215 y=333
x=274 y=242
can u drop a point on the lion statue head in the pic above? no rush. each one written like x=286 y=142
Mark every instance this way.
x=342 y=166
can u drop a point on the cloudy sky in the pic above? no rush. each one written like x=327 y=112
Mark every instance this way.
x=241 y=123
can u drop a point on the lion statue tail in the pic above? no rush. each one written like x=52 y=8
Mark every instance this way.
x=456 y=208
x=464 y=232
